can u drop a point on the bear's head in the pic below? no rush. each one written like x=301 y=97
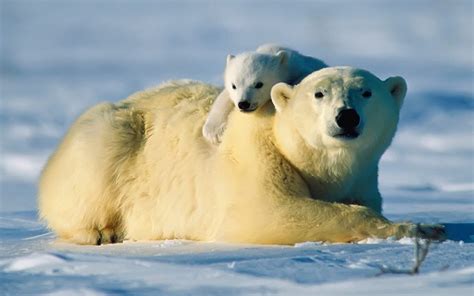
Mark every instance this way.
x=249 y=78
x=340 y=107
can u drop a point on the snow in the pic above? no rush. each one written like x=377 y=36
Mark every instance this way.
x=58 y=58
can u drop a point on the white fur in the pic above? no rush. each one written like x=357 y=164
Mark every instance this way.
x=269 y=64
x=353 y=180
x=141 y=169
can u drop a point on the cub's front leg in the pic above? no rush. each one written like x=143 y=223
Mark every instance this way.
x=216 y=122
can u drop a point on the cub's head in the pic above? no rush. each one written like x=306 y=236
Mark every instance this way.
x=342 y=107
x=249 y=78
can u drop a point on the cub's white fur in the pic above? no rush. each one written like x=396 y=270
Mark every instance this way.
x=248 y=79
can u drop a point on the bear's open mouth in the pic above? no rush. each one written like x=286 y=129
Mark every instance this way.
x=349 y=135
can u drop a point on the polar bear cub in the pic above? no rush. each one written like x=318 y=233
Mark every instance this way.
x=248 y=79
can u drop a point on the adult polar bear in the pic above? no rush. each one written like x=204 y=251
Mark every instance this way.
x=141 y=169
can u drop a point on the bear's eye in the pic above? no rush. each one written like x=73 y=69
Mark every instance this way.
x=318 y=95
x=233 y=86
x=258 y=85
x=367 y=94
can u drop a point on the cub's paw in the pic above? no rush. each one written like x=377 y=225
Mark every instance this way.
x=213 y=132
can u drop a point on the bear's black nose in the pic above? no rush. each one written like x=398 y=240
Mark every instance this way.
x=348 y=119
x=244 y=105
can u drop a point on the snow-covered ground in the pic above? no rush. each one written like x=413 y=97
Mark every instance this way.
x=59 y=57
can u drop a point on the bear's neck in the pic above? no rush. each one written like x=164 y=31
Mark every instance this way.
x=325 y=171
x=247 y=134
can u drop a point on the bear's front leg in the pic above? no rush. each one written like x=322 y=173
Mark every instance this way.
x=300 y=219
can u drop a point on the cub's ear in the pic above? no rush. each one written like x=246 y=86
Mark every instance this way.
x=397 y=87
x=230 y=57
x=282 y=57
x=281 y=93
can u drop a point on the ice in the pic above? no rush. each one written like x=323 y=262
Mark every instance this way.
x=57 y=58
x=439 y=283
x=33 y=261
x=186 y=267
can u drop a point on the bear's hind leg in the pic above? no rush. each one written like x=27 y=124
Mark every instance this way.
x=110 y=235
x=90 y=236
x=82 y=237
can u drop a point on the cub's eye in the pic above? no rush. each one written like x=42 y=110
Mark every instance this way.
x=258 y=85
x=318 y=95
x=233 y=86
x=367 y=94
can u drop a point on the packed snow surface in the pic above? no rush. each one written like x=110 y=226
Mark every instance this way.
x=59 y=57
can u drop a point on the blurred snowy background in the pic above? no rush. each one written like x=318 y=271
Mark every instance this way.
x=59 y=57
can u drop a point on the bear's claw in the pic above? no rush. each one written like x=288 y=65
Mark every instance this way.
x=429 y=231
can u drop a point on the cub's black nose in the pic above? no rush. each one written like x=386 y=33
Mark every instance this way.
x=348 y=119
x=244 y=105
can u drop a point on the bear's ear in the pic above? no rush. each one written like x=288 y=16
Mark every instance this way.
x=282 y=56
x=229 y=58
x=397 y=87
x=281 y=93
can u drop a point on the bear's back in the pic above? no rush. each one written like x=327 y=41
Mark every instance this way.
x=172 y=94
